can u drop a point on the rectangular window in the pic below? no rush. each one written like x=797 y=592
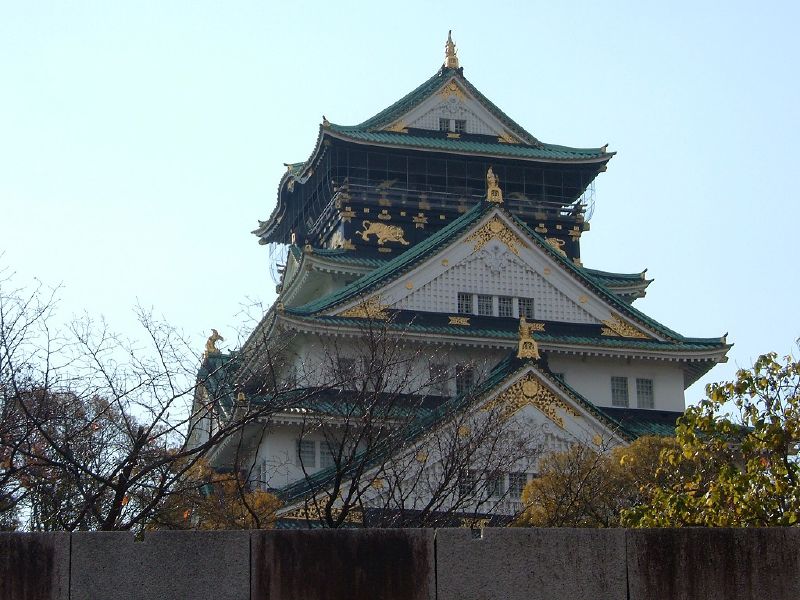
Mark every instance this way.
x=467 y=483
x=326 y=454
x=437 y=381
x=444 y=124
x=619 y=391
x=492 y=485
x=644 y=393
x=460 y=125
x=526 y=308
x=516 y=483
x=485 y=305
x=465 y=378
x=346 y=373
x=307 y=454
x=505 y=306
x=464 y=303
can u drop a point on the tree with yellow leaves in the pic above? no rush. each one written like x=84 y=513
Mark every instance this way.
x=587 y=487
x=735 y=463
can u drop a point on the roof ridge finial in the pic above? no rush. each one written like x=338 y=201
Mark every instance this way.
x=450 y=52
x=493 y=191
x=528 y=348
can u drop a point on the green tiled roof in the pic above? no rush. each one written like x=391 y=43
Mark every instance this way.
x=350 y=257
x=689 y=344
x=641 y=421
x=410 y=258
x=390 y=114
x=616 y=279
x=471 y=146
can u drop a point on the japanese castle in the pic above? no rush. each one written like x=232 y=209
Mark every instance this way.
x=439 y=240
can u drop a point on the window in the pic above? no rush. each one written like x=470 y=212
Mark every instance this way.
x=526 y=308
x=306 y=454
x=492 y=485
x=346 y=373
x=444 y=124
x=467 y=483
x=437 y=381
x=619 y=391
x=461 y=125
x=465 y=378
x=644 y=393
x=505 y=306
x=465 y=303
x=516 y=483
x=485 y=305
x=326 y=454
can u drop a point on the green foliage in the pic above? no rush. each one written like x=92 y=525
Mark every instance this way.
x=735 y=464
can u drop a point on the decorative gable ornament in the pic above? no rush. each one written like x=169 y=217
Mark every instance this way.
x=493 y=191
x=450 y=52
x=528 y=348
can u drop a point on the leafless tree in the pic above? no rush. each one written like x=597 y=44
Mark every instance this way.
x=96 y=431
x=396 y=447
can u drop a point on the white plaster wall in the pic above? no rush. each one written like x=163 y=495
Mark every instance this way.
x=592 y=378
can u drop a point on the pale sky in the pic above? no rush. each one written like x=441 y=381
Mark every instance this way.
x=140 y=142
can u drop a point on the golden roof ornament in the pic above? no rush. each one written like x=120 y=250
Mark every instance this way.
x=527 y=345
x=493 y=191
x=450 y=58
x=211 y=342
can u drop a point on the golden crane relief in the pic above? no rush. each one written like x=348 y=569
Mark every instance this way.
x=616 y=326
x=371 y=308
x=211 y=342
x=496 y=229
x=450 y=52
x=493 y=191
x=528 y=348
x=530 y=390
x=383 y=233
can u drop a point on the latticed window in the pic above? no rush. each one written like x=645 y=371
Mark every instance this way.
x=326 y=454
x=492 y=489
x=444 y=124
x=644 y=393
x=437 y=381
x=485 y=305
x=346 y=372
x=526 y=308
x=460 y=125
x=505 y=306
x=619 y=391
x=467 y=483
x=465 y=378
x=307 y=453
x=465 y=303
x=516 y=483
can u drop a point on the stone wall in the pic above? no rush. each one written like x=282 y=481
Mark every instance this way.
x=445 y=564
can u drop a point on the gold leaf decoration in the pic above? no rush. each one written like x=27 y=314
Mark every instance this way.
x=495 y=229
x=371 y=308
x=459 y=320
x=617 y=327
x=531 y=390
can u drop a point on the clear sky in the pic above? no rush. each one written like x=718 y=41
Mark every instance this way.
x=141 y=141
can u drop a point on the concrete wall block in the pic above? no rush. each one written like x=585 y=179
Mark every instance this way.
x=164 y=565
x=34 y=566
x=387 y=564
x=531 y=564
x=713 y=564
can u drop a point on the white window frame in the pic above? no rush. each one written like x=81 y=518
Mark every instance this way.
x=645 y=393
x=310 y=449
x=616 y=388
